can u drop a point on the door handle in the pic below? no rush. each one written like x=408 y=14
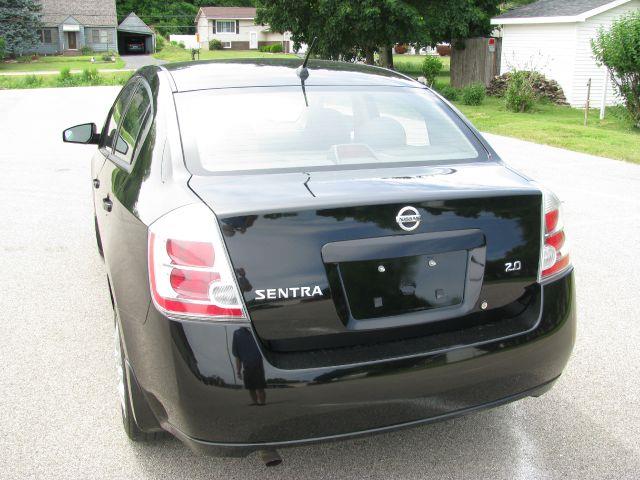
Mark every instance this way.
x=107 y=204
x=96 y=183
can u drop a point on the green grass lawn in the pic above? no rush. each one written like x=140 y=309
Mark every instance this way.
x=410 y=65
x=177 y=54
x=59 y=62
x=613 y=137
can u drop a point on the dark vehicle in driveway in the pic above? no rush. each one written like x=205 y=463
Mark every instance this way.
x=135 y=45
x=294 y=259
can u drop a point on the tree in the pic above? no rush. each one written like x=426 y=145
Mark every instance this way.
x=345 y=29
x=19 y=25
x=619 y=50
x=454 y=20
x=356 y=29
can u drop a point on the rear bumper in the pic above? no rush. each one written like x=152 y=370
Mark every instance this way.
x=188 y=375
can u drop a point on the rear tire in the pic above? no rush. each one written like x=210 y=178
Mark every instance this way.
x=129 y=424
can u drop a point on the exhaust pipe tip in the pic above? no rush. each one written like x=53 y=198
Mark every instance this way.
x=270 y=458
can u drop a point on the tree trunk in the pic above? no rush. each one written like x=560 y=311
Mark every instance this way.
x=386 y=57
x=368 y=56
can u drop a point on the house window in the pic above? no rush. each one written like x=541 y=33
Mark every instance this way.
x=226 y=44
x=45 y=36
x=225 y=26
x=101 y=35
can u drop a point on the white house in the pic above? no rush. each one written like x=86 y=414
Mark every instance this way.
x=236 y=29
x=554 y=38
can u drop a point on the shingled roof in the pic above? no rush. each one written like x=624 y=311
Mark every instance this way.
x=556 y=8
x=229 y=12
x=133 y=24
x=86 y=12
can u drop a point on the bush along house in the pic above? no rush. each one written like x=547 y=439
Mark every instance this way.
x=236 y=29
x=70 y=25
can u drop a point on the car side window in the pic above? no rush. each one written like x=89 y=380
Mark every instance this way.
x=132 y=124
x=116 y=114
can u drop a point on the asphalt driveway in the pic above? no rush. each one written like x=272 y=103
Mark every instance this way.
x=58 y=403
x=135 y=62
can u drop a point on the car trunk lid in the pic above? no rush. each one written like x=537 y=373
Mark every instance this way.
x=323 y=256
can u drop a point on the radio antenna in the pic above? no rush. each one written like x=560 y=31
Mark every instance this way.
x=302 y=71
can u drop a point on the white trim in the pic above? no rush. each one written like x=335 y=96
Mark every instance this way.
x=224 y=45
x=532 y=20
x=560 y=19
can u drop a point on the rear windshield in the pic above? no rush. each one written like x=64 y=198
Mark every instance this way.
x=277 y=128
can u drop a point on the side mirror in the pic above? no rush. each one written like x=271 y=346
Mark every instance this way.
x=84 y=134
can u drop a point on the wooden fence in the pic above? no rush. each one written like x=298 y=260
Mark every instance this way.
x=477 y=62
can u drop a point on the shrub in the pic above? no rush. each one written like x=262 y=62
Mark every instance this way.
x=275 y=48
x=618 y=49
x=65 y=79
x=473 y=94
x=450 y=93
x=106 y=57
x=215 y=44
x=86 y=50
x=431 y=67
x=174 y=43
x=519 y=96
x=160 y=41
x=91 y=76
x=32 y=81
x=181 y=45
x=3 y=48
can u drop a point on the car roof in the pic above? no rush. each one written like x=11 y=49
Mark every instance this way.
x=267 y=72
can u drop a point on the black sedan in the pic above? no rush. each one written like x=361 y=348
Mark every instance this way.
x=135 y=45
x=299 y=255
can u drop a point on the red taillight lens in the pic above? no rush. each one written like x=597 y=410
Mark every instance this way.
x=192 y=277
x=196 y=254
x=551 y=220
x=555 y=251
x=192 y=284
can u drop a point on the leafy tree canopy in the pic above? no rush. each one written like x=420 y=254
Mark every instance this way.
x=349 y=29
x=19 y=25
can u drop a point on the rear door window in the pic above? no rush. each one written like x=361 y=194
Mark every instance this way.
x=116 y=114
x=132 y=124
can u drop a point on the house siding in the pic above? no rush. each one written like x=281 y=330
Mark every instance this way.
x=203 y=30
x=585 y=66
x=547 y=48
x=101 y=47
x=240 y=40
x=49 y=48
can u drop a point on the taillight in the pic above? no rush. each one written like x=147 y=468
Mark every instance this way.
x=555 y=249
x=189 y=270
